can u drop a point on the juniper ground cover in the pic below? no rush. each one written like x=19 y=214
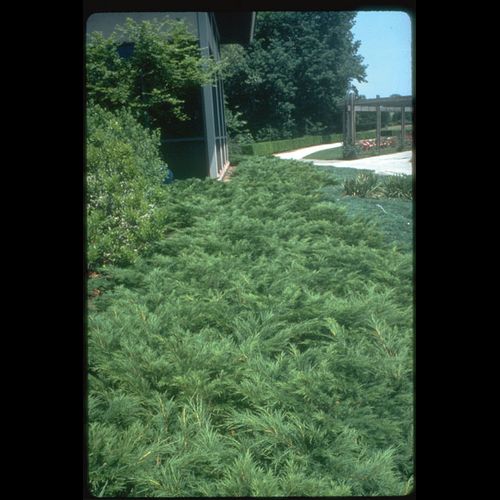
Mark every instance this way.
x=264 y=348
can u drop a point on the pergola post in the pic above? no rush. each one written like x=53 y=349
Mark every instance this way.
x=349 y=120
x=379 y=104
x=403 y=123
x=379 y=125
x=345 y=122
x=353 y=120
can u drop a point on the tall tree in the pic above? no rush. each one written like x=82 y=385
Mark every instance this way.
x=290 y=80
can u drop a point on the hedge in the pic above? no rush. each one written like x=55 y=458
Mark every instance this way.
x=271 y=147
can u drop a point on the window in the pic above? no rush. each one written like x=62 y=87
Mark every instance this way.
x=125 y=50
x=221 y=156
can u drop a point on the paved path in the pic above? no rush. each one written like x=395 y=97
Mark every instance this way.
x=396 y=163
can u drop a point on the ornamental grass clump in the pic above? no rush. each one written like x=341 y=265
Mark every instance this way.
x=364 y=185
x=263 y=349
x=370 y=185
x=399 y=186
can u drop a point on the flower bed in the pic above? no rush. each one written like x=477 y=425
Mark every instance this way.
x=370 y=144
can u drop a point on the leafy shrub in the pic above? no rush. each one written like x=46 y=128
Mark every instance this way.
x=350 y=152
x=160 y=78
x=314 y=127
x=124 y=195
x=238 y=134
x=237 y=127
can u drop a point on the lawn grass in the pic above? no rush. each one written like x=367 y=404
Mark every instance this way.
x=265 y=349
x=327 y=154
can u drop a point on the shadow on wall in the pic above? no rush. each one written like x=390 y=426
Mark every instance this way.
x=186 y=159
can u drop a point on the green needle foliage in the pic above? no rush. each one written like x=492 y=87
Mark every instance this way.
x=263 y=349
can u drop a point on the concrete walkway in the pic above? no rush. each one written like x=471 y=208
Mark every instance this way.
x=391 y=164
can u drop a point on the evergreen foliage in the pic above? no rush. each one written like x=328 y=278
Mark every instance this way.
x=393 y=216
x=264 y=349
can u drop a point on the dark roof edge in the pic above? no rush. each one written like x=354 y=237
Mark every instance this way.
x=235 y=27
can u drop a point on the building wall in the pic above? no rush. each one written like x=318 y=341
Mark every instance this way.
x=106 y=22
x=202 y=151
x=213 y=99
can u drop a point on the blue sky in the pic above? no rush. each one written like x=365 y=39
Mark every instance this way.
x=385 y=38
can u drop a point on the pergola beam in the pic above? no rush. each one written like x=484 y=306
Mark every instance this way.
x=392 y=104
x=362 y=107
x=387 y=101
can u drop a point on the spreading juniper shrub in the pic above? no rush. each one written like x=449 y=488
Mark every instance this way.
x=265 y=349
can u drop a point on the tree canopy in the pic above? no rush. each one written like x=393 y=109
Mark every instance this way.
x=159 y=78
x=290 y=79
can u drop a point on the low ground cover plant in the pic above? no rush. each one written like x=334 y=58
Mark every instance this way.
x=364 y=185
x=393 y=216
x=263 y=349
x=370 y=185
x=399 y=186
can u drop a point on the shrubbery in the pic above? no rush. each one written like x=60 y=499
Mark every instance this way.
x=278 y=146
x=131 y=100
x=125 y=197
x=265 y=349
x=270 y=147
x=160 y=79
x=363 y=185
x=399 y=186
x=350 y=151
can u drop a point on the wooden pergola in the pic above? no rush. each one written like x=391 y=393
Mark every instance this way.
x=379 y=104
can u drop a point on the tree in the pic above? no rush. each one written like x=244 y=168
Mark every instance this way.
x=293 y=76
x=157 y=81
